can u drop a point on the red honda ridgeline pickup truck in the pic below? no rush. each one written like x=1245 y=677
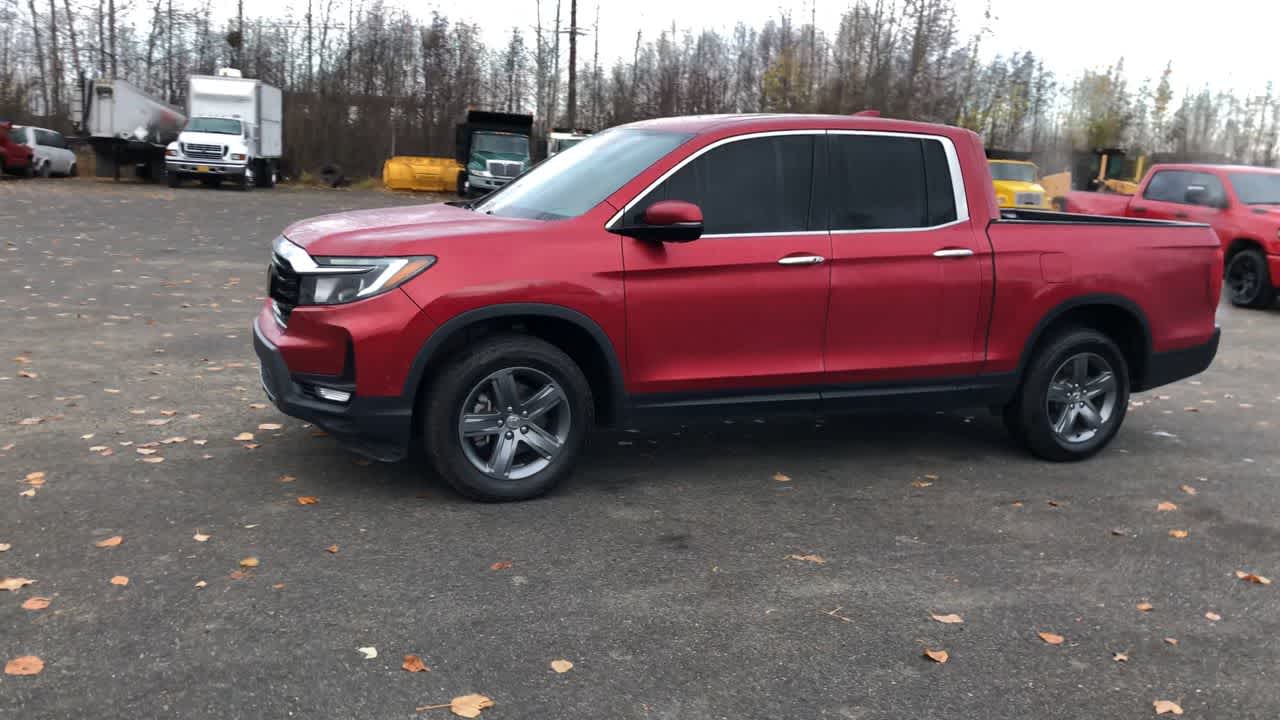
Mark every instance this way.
x=725 y=265
x=1240 y=203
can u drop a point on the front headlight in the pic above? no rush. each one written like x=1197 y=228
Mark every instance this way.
x=333 y=280
x=171 y=152
x=237 y=156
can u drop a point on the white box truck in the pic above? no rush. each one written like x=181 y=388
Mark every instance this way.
x=126 y=127
x=233 y=132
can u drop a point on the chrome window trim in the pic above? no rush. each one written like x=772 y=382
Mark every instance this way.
x=948 y=148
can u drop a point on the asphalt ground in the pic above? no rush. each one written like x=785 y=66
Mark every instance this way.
x=666 y=570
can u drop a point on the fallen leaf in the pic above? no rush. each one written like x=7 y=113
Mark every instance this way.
x=307 y=500
x=201 y=583
x=242 y=437
x=200 y=537
x=270 y=426
x=146 y=451
x=781 y=478
x=815 y=559
x=1166 y=506
x=930 y=477
x=153 y=459
x=258 y=406
x=172 y=440
x=36 y=603
x=199 y=442
x=1120 y=532
x=920 y=483
x=4 y=547
x=278 y=586
x=1178 y=534
x=501 y=565
x=31 y=421
x=35 y=478
x=1054 y=503
x=561 y=666
x=950 y=619
x=159 y=421
x=251 y=446
x=238 y=575
x=1145 y=607
x=168 y=413
x=938 y=656
x=98 y=448
x=1167 y=706
x=1051 y=638
x=286 y=478
x=110 y=542
x=1171 y=641
x=1250 y=577
x=1212 y=616
x=25 y=665
x=368 y=652
x=13 y=583
x=87 y=436
x=29 y=492
x=413 y=663
x=1120 y=657
x=120 y=580
x=1016 y=503
x=27 y=374
x=1188 y=489
x=469 y=706
x=249 y=562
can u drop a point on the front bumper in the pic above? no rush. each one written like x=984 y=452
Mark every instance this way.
x=488 y=183
x=204 y=167
x=1167 y=367
x=378 y=427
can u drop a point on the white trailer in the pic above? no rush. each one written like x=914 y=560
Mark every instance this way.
x=233 y=132
x=126 y=127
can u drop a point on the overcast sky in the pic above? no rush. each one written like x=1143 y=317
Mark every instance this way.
x=1232 y=43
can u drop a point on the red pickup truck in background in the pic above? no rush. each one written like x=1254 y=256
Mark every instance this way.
x=725 y=265
x=15 y=158
x=1240 y=203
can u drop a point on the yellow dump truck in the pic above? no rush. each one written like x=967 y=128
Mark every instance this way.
x=1017 y=184
x=424 y=174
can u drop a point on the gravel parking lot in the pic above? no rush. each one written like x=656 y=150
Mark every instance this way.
x=743 y=570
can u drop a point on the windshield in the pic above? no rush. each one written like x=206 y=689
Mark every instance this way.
x=576 y=180
x=1013 y=171
x=562 y=144
x=221 y=126
x=495 y=145
x=1256 y=188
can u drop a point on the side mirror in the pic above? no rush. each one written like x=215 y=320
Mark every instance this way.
x=668 y=221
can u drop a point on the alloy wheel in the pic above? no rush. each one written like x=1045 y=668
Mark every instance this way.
x=514 y=423
x=1081 y=398
x=1243 y=278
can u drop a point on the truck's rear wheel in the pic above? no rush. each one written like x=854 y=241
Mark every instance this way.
x=1073 y=397
x=1249 y=280
x=266 y=174
x=175 y=178
x=507 y=419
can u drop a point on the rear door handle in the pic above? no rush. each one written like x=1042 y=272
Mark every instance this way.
x=952 y=252
x=802 y=260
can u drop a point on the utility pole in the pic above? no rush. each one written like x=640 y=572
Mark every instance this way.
x=573 y=63
x=595 y=70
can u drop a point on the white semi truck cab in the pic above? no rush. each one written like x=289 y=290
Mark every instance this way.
x=233 y=132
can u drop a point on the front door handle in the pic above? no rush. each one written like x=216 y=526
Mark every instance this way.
x=802 y=260
x=1138 y=208
x=952 y=252
x=1181 y=215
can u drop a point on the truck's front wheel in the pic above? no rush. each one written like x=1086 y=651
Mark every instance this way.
x=175 y=178
x=248 y=179
x=1073 y=397
x=1249 y=280
x=507 y=419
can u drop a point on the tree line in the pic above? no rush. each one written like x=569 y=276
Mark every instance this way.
x=365 y=79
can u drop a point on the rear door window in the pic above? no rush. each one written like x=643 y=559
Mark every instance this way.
x=751 y=186
x=881 y=182
x=1172 y=185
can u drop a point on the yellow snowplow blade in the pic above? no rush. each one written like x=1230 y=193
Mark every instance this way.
x=425 y=174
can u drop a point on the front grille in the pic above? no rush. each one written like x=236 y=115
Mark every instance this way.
x=283 y=287
x=203 y=152
x=1028 y=199
x=503 y=168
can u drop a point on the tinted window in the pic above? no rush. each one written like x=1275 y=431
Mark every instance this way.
x=756 y=185
x=45 y=138
x=1256 y=188
x=879 y=182
x=1171 y=186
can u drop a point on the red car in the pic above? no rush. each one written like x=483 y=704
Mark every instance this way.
x=1240 y=203
x=15 y=158
x=717 y=266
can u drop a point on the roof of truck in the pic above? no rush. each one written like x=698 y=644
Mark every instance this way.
x=1216 y=167
x=764 y=122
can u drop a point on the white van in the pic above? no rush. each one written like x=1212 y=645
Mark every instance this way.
x=51 y=156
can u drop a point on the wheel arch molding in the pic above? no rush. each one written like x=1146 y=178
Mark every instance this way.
x=603 y=368
x=1101 y=312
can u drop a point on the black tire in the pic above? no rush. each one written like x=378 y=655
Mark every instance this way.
x=245 y=183
x=464 y=185
x=1028 y=416
x=74 y=171
x=45 y=170
x=175 y=178
x=265 y=177
x=443 y=402
x=1248 y=280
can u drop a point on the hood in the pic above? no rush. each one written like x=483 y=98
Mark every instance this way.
x=204 y=138
x=1017 y=186
x=397 y=231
